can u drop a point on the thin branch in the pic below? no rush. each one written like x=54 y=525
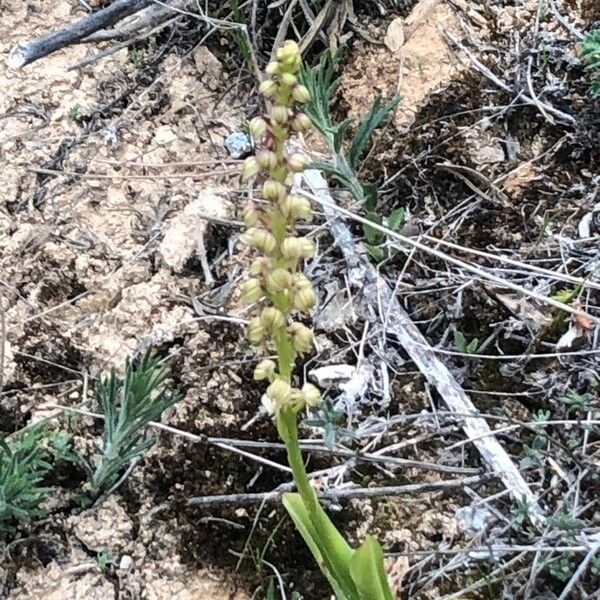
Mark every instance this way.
x=25 y=53
x=335 y=495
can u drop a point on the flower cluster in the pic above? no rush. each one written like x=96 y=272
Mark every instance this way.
x=277 y=285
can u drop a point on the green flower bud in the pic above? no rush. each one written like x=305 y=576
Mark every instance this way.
x=301 y=94
x=311 y=394
x=266 y=159
x=259 y=238
x=294 y=208
x=307 y=248
x=291 y=248
x=280 y=393
x=301 y=123
x=297 y=398
x=265 y=241
x=301 y=282
x=289 y=49
x=265 y=369
x=257 y=127
x=279 y=114
x=297 y=162
x=260 y=266
x=268 y=88
x=251 y=216
x=279 y=280
x=289 y=56
x=302 y=338
x=256 y=331
x=248 y=236
x=305 y=300
x=273 y=190
x=250 y=169
x=272 y=68
x=288 y=79
x=251 y=291
x=272 y=319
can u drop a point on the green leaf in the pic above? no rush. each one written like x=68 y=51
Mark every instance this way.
x=270 y=591
x=322 y=86
x=26 y=459
x=376 y=117
x=377 y=253
x=396 y=219
x=371 y=195
x=373 y=236
x=472 y=346
x=328 y=547
x=368 y=572
x=460 y=342
x=339 y=131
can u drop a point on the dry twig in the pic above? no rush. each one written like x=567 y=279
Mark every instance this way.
x=334 y=495
x=27 y=52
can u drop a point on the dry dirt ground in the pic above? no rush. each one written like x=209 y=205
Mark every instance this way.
x=119 y=212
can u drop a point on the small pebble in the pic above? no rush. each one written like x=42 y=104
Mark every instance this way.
x=125 y=562
x=238 y=144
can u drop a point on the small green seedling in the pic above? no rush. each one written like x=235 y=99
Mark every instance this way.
x=562 y=568
x=74 y=113
x=329 y=419
x=533 y=455
x=541 y=416
x=565 y=521
x=26 y=460
x=578 y=401
x=103 y=560
x=461 y=344
x=374 y=238
x=128 y=405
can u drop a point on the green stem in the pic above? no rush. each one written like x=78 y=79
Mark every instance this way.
x=288 y=429
x=287 y=424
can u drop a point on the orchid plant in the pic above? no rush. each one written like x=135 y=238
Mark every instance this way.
x=281 y=295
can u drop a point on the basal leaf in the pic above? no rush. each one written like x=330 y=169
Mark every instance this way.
x=368 y=572
x=328 y=547
x=396 y=218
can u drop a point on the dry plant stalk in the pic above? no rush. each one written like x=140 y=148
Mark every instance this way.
x=281 y=294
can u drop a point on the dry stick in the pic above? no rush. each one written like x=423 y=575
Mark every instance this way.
x=334 y=494
x=213 y=173
x=27 y=52
x=201 y=439
x=149 y=17
x=89 y=60
x=377 y=293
